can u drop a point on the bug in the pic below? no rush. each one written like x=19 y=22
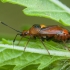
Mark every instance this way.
x=33 y=32
x=43 y=32
x=56 y=32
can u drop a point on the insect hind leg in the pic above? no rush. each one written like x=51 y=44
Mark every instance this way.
x=65 y=46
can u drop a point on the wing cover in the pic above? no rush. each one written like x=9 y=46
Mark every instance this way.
x=51 y=30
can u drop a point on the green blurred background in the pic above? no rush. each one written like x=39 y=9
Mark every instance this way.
x=12 y=15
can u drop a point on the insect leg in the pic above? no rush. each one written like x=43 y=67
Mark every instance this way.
x=66 y=47
x=42 y=38
x=27 y=43
x=15 y=39
x=20 y=40
x=45 y=47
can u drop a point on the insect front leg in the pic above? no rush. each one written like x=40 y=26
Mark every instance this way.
x=20 y=40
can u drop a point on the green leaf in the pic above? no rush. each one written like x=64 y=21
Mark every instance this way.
x=19 y=60
x=4 y=41
x=13 y=58
x=52 y=9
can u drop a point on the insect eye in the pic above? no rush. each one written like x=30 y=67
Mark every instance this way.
x=37 y=26
x=25 y=33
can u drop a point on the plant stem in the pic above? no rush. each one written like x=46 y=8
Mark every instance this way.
x=39 y=51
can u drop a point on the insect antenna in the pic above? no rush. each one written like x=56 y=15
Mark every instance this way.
x=14 y=30
x=10 y=27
